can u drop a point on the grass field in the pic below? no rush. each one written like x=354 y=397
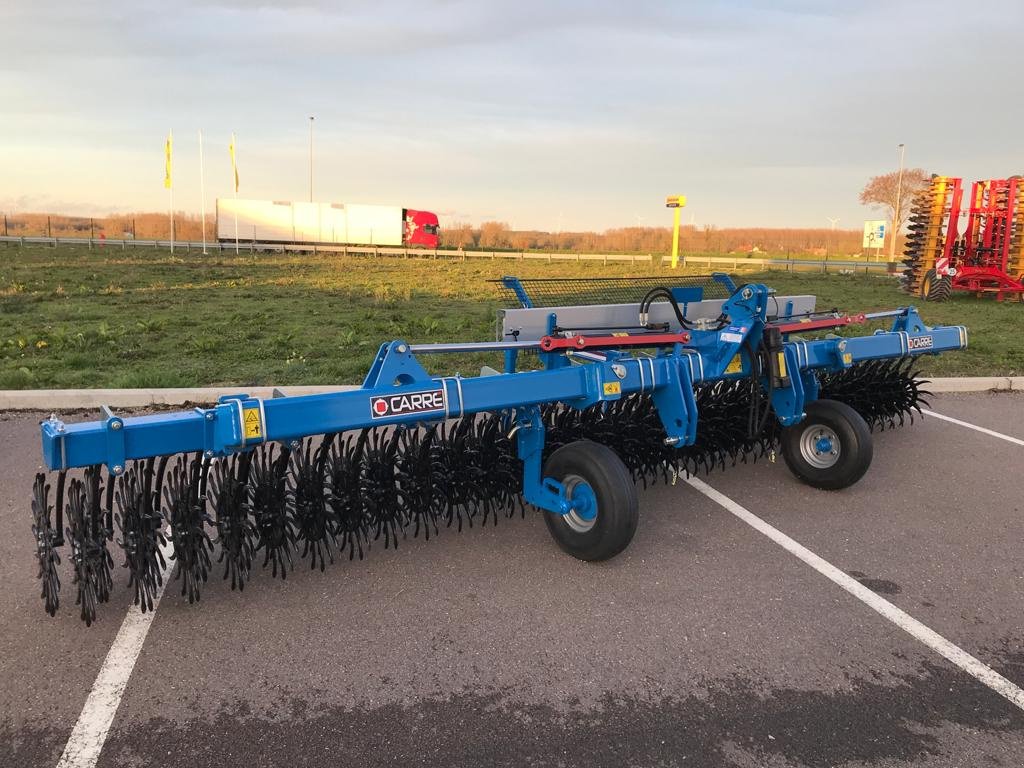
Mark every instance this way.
x=73 y=317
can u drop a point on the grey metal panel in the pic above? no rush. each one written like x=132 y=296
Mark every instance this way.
x=533 y=323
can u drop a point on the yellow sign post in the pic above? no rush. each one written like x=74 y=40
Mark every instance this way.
x=677 y=202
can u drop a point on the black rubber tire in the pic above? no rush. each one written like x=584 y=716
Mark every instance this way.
x=855 y=446
x=617 y=505
x=936 y=288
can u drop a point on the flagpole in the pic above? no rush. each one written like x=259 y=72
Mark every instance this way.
x=202 y=188
x=234 y=184
x=170 y=183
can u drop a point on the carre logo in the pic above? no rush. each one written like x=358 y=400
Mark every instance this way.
x=410 y=402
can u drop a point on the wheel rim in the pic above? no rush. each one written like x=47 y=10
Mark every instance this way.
x=819 y=446
x=576 y=488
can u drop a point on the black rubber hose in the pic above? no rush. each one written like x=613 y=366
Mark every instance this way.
x=645 y=304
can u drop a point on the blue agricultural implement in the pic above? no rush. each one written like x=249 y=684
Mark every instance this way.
x=605 y=384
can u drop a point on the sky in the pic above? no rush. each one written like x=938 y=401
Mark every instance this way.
x=546 y=115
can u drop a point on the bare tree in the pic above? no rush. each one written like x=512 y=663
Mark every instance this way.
x=881 y=192
x=494 y=234
x=458 y=235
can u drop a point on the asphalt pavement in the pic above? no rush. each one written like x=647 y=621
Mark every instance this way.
x=704 y=644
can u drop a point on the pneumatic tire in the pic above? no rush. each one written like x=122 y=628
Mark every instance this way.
x=831 y=448
x=611 y=530
x=935 y=288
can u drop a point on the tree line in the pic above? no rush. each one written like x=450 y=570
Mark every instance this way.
x=497 y=235
x=128 y=226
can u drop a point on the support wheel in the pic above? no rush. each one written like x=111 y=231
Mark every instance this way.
x=831 y=448
x=936 y=288
x=589 y=468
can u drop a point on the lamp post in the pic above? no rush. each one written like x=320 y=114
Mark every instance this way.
x=896 y=211
x=311 y=158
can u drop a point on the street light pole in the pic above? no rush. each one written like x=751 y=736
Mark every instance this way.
x=311 y=158
x=896 y=212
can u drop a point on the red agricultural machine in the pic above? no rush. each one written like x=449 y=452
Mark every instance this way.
x=986 y=257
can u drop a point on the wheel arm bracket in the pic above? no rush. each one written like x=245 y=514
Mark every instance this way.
x=546 y=492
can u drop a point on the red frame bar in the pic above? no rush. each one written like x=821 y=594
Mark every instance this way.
x=946 y=260
x=551 y=343
x=815 y=325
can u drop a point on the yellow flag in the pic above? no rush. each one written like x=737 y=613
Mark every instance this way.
x=234 y=166
x=167 y=163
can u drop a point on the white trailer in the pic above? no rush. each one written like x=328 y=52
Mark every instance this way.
x=272 y=221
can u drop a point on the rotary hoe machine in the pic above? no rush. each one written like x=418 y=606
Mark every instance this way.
x=983 y=256
x=605 y=384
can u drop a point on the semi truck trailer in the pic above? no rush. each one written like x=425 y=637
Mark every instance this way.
x=275 y=221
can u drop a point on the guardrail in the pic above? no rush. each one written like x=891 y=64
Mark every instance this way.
x=790 y=265
x=735 y=263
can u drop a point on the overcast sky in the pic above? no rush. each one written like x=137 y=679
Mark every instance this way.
x=548 y=115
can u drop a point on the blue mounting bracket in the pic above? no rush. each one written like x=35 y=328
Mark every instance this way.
x=789 y=402
x=724 y=279
x=546 y=492
x=676 y=404
x=395 y=366
x=113 y=427
x=514 y=285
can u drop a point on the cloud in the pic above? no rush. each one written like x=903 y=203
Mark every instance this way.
x=505 y=109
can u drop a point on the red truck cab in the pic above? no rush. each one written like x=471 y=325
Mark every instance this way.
x=421 y=228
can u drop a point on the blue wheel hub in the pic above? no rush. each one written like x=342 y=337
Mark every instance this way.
x=584 y=502
x=820 y=446
x=582 y=512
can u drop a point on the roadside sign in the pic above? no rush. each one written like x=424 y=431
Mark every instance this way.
x=874 y=234
x=675 y=201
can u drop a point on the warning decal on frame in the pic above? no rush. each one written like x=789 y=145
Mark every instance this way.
x=253 y=425
x=613 y=388
x=735 y=365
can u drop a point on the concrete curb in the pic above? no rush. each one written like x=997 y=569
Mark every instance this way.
x=71 y=399
x=977 y=384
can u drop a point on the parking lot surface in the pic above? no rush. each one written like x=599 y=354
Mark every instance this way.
x=704 y=644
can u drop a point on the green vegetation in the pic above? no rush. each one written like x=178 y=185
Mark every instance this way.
x=74 y=317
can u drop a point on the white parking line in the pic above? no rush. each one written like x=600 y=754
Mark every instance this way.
x=90 y=732
x=975 y=427
x=900 y=618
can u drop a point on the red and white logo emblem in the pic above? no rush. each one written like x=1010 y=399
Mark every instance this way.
x=920 y=342
x=411 y=402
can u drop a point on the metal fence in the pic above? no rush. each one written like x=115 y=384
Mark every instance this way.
x=732 y=263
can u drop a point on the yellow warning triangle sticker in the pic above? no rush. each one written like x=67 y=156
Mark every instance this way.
x=252 y=416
